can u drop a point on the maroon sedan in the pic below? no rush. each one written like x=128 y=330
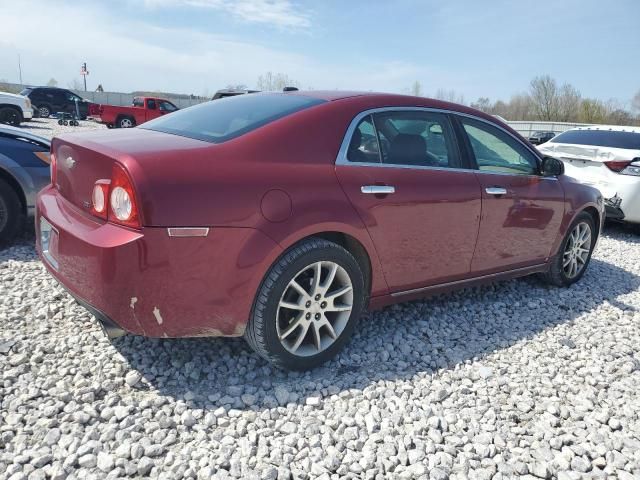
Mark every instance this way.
x=280 y=217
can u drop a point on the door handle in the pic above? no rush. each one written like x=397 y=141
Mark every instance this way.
x=496 y=190
x=378 y=189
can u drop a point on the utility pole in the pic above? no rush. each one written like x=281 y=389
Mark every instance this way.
x=19 y=69
x=84 y=72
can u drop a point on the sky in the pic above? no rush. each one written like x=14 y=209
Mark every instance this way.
x=489 y=48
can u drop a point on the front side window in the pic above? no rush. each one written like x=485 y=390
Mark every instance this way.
x=419 y=138
x=227 y=118
x=496 y=151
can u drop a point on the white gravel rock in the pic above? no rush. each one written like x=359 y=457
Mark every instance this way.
x=512 y=379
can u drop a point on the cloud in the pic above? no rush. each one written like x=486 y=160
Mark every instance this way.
x=279 y=13
x=127 y=53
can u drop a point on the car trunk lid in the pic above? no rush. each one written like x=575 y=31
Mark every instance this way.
x=82 y=159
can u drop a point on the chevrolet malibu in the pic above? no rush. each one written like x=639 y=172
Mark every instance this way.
x=280 y=217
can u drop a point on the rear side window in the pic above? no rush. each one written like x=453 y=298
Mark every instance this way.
x=600 y=138
x=138 y=102
x=226 y=118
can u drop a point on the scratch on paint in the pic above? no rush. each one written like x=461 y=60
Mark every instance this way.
x=133 y=302
x=156 y=313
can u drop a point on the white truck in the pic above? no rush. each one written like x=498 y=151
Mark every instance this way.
x=14 y=109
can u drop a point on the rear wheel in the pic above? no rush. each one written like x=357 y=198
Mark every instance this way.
x=126 y=122
x=574 y=255
x=44 y=111
x=307 y=306
x=11 y=116
x=11 y=214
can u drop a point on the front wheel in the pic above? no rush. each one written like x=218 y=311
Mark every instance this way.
x=574 y=255
x=307 y=306
x=11 y=116
x=11 y=214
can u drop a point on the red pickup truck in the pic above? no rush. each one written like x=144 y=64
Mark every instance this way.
x=141 y=110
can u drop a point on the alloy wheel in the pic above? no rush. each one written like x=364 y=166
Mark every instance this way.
x=44 y=112
x=576 y=252
x=126 y=123
x=314 y=308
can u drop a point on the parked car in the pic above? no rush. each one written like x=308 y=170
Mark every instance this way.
x=14 y=109
x=24 y=170
x=51 y=100
x=231 y=92
x=274 y=217
x=537 y=138
x=605 y=157
x=141 y=110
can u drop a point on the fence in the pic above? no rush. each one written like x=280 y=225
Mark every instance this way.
x=111 y=98
x=526 y=128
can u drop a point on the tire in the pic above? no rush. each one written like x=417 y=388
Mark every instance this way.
x=557 y=274
x=60 y=122
x=45 y=110
x=11 y=116
x=268 y=321
x=126 y=122
x=11 y=213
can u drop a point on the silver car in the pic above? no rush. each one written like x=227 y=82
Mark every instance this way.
x=24 y=170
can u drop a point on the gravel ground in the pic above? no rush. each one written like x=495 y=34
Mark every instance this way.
x=513 y=379
x=49 y=128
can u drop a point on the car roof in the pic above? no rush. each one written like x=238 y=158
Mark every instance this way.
x=8 y=131
x=611 y=128
x=381 y=100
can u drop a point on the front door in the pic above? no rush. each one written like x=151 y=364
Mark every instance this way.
x=403 y=173
x=521 y=209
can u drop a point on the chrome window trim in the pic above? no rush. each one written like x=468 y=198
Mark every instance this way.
x=342 y=159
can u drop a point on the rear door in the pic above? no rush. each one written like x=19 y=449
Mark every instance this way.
x=403 y=172
x=521 y=210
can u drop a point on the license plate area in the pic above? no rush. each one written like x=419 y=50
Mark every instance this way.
x=49 y=239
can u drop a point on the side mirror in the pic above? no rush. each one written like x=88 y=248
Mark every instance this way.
x=552 y=167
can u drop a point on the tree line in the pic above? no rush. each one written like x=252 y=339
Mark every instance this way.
x=547 y=100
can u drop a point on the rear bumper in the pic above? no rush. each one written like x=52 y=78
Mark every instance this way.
x=147 y=283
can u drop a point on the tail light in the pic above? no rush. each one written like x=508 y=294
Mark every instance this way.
x=53 y=167
x=115 y=200
x=100 y=199
x=123 y=208
x=625 y=167
x=617 y=165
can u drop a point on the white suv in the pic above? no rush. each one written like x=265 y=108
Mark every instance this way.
x=606 y=157
x=14 y=109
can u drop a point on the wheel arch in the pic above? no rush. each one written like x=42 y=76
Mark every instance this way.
x=593 y=212
x=17 y=187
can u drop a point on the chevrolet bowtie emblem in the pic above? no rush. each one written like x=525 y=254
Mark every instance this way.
x=69 y=162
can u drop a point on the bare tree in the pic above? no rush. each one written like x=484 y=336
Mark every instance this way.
x=592 y=111
x=416 y=89
x=52 y=82
x=449 y=96
x=544 y=97
x=272 y=82
x=635 y=103
x=568 y=103
x=483 y=104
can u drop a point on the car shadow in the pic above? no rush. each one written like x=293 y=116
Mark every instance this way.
x=450 y=329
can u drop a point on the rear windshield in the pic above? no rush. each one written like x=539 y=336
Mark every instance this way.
x=26 y=91
x=220 y=120
x=600 y=138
